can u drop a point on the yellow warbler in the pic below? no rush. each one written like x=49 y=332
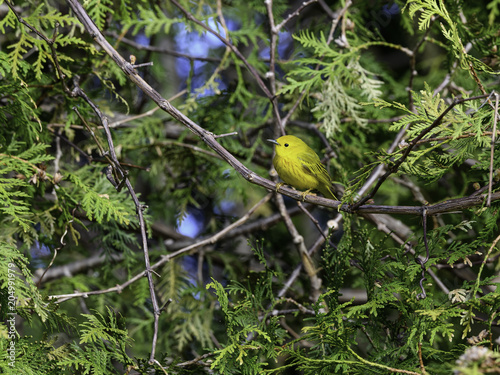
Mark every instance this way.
x=299 y=166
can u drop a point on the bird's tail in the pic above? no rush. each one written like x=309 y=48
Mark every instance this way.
x=328 y=191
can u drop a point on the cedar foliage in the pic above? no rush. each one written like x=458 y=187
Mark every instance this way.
x=384 y=69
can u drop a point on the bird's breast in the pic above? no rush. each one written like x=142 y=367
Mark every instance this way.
x=291 y=170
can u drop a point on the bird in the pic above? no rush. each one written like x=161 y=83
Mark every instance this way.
x=299 y=166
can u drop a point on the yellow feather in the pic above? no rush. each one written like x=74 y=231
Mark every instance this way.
x=299 y=166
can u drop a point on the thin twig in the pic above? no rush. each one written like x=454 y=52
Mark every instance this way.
x=335 y=22
x=294 y=14
x=50 y=43
x=311 y=217
x=421 y=261
x=196 y=360
x=380 y=168
x=420 y=359
x=415 y=190
x=377 y=365
x=413 y=63
x=329 y=40
x=493 y=139
x=166 y=51
x=67 y=270
x=478 y=279
x=453 y=138
x=225 y=135
x=272 y=48
x=249 y=175
x=135 y=66
x=166 y=258
x=271 y=74
x=296 y=272
x=447 y=78
x=121 y=179
x=401 y=240
x=235 y=50
x=298 y=240
x=60 y=136
x=178 y=144
x=326 y=8
x=56 y=250
x=410 y=147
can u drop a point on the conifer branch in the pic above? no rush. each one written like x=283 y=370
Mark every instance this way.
x=140 y=209
x=235 y=50
x=50 y=42
x=410 y=147
x=252 y=316
x=277 y=28
x=209 y=139
x=166 y=258
x=298 y=240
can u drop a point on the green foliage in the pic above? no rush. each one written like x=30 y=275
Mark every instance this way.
x=39 y=357
x=232 y=293
x=18 y=193
x=493 y=6
x=339 y=77
x=98 y=203
x=105 y=339
x=251 y=341
x=450 y=29
x=41 y=20
x=16 y=280
x=190 y=310
x=18 y=112
x=464 y=135
x=151 y=21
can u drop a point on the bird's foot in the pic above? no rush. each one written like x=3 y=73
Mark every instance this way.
x=303 y=194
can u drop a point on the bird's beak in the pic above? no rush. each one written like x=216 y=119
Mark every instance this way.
x=273 y=141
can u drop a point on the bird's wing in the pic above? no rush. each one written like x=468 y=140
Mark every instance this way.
x=313 y=166
x=308 y=158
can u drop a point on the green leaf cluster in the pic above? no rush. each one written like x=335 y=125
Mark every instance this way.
x=232 y=293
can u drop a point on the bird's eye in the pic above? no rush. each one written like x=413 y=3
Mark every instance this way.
x=286 y=144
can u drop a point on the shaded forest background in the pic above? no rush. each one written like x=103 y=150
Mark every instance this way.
x=141 y=229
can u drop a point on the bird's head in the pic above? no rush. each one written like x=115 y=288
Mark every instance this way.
x=288 y=144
